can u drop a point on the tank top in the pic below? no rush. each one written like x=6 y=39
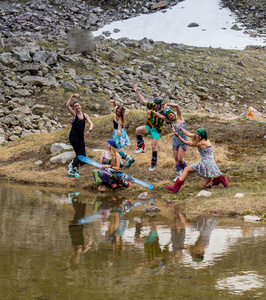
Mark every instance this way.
x=116 y=124
x=78 y=127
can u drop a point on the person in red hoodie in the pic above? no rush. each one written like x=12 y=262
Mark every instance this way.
x=205 y=168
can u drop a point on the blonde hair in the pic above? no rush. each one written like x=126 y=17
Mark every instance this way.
x=113 y=156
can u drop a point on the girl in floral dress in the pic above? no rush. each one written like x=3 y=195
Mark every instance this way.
x=205 y=168
x=119 y=134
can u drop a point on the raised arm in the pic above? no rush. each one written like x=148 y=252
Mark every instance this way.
x=88 y=132
x=114 y=103
x=178 y=111
x=141 y=98
x=68 y=105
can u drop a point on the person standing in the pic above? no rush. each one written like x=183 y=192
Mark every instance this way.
x=119 y=134
x=76 y=135
x=205 y=168
x=179 y=148
x=153 y=127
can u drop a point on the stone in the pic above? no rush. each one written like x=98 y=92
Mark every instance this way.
x=239 y=195
x=59 y=147
x=193 y=24
x=204 y=193
x=63 y=157
x=143 y=196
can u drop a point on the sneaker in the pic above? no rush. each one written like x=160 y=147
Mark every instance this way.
x=178 y=174
x=121 y=163
x=71 y=173
x=128 y=184
x=77 y=175
x=174 y=180
x=152 y=167
x=139 y=150
x=129 y=162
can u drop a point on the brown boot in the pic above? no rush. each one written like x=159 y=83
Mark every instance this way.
x=175 y=188
x=221 y=179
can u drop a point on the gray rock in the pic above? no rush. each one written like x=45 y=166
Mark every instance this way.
x=36 y=80
x=59 y=147
x=193 y=24
x=147 y=67
x=68 y=85
x=63 y=157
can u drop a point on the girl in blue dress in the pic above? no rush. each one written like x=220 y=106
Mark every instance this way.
x=205 y=168
x=119 y=134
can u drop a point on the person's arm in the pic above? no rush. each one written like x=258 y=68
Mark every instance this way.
x=72 y=112
x=157 y=114
x=101 y=158
x=187 y=133
x=117 y=165
x=119 y=127
x=114 y=103
x=189 y=143
x=88 y=132
x=178 y=111
x=141 y=98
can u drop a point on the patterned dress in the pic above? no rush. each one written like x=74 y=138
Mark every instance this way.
x=207 y=166
x=122 y=140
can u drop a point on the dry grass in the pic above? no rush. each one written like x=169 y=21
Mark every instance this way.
x=17 y=164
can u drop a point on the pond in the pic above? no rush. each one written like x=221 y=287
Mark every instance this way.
x=70 y=246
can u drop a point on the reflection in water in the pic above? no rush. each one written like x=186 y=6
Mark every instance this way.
x=80 y=244
x=205 y=227
x=123 y=249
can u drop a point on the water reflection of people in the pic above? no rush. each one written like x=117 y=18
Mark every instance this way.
x=151 y=243
x=80 y=243
x=113 y=210
x=205 y=227
x=178 y=230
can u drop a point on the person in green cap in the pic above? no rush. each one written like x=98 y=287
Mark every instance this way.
x=205 y=168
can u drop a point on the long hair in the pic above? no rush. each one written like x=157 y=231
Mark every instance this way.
x=113 y=156
x=122 y=109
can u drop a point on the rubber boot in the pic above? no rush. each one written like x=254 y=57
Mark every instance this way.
x=175 y=188
x=221 y=179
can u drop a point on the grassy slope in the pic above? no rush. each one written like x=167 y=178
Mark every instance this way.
x=239 y=151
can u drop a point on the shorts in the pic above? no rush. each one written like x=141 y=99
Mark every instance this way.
x=153 y=132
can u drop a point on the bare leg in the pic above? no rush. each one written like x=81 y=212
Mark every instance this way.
x=187 y=170
x=180 y=155
x=154 y=143
x=207 y=182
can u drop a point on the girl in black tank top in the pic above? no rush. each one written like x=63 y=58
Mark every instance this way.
x=76 y=135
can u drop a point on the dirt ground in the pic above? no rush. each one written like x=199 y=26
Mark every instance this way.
x=239 y=150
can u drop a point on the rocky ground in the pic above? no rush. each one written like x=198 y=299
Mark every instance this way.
x=39 y=72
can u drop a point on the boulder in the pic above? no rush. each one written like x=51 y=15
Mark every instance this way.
x=63 y=157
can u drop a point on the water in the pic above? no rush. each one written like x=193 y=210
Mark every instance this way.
x=121 y=252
